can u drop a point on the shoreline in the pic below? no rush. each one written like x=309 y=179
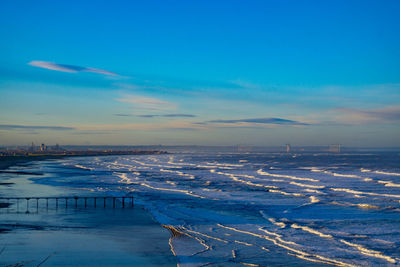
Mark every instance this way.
x=11 y=160
x=129 y=237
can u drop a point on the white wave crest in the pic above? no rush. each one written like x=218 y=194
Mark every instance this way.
x=261 y=172
x=381 y=172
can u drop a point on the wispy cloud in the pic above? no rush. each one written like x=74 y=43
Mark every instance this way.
x=147 y=103
x=34 y=127
x=168 y=116
x=68 y=68
x=170 y=125
x=246 y=84
x=122 y=115
x=93 y=132
x=255 y=121
x=182 y=125
x=363 y=116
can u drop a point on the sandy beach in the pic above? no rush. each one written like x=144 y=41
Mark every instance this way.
x=74 y=236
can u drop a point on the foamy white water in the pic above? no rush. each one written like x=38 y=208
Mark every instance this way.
x=261 y=209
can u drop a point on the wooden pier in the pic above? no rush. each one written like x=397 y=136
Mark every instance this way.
x=69 y=202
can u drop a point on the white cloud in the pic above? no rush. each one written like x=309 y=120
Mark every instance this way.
x=68 y=68
x=359 y=116
x=147 y=103
x=170 y=125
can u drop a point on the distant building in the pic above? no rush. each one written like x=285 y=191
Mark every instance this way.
x=42 y=147
x=288 y=148
x=243 y=148
x=334 y=148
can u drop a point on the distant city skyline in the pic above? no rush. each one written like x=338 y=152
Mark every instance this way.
x=264 y=73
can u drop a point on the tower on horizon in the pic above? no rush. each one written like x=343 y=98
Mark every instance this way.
x=334 y=148
x=288 y=148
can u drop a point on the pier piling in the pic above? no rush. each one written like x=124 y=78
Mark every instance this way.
x=125 y=201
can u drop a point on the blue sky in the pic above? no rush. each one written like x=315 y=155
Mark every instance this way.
x=200 y=72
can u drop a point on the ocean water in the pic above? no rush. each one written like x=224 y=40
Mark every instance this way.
x=267 y=209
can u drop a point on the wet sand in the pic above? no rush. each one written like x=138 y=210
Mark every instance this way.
x=8 y=161
x=76 y=237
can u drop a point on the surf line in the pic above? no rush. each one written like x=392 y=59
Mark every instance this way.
x=363 y=193
x=224 y=164
x=365 y=179
x=273 y=180
x=233 y=177
x=363 y=250
x=83 y=167
x=261 y=172
x=190 y=176
x=381 y=172
x=225 y=241
x=369 y=252
x=152 y=165
x=171 y=162
x=187 y=192
x=178 y=231
x=270 y=188
x=126 y=180
x=298 y=253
